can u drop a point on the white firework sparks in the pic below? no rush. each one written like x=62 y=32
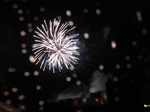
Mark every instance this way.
x=53 y=46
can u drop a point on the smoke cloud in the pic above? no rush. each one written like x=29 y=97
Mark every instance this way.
x=97 y=83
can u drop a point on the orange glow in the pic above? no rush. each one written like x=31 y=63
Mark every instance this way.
x=96 y=99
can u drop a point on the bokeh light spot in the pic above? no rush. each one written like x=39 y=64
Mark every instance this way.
x=26 y=73
x=24 y=51
x=98 y=12
x=128 y=65
x=36 y=73
x=117 y=66
x=32 y=59
x=23 y=45
x=71 y=23
x=41 y=102
x=11 y=69
x=101 y=67
x=14 y=89
x=23 y=33
x=38 y=87
x=42 y=9
x=15 y=6
x=8 y=101
x=21 y=18
x=20 y=11
x=78 y=82
x=6 y=93
x=134 y=43
x=86 y=35
x=74 y=75
x=68 y=13
x=113 y=44
x=21 y=97
x=85 y=10
x=68 y=79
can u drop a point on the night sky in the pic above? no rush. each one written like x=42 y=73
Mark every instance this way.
x=114 y=42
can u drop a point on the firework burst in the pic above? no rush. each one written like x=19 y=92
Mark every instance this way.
x=54 y=48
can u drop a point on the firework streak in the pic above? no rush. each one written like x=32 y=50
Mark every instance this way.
x=54 y=48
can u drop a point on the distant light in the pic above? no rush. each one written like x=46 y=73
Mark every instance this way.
x=68 y=79
x=84 y=100
x=59 y=17
x=8 y=101
x=140 y=56
x=115 y=79
x=129 y=65
x=71 y=23
x=127 y=57
x=14 y=89
x=36 y=18
x=23 y=33
x=41 y=102
x=23 y=45
x=21 y=18
x=15 y=6
x=24 y=51
x=38 y=87
x=26 y=74
x=117 y=66
x=113 y=44
x=86 y=35
x=27 y=11
x=116 y=99
x=139 y=16
x=101 y=67
x=78 y=83
x=41 y=108
x=20 y=11
x=36 y=73
x=22 y=107
x=29 y=25
x=74 y=75
x=32 y=59
x=71 y=68
x=21 y=97
x=134 y=43
x=96 y=99
x=146 y=105
x=30 y=30
x=98 y=12
x=68 y=13
x=85 y=10
x=144 y=31
x=11 y=69
x=6 y=93
x=42 y=9
x=75 y=102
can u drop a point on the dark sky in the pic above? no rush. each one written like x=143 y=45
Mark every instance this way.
x=126 y=23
